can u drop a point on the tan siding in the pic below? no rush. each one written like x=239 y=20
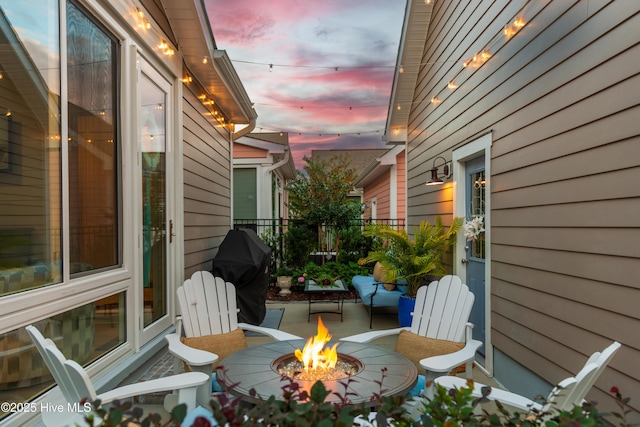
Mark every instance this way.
x=604 y=241
x=562 y=100
x=241 y=151
x=601 y=213
x=401 y=171
x=207 y=195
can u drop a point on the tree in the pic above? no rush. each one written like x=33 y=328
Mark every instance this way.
x=320 y=195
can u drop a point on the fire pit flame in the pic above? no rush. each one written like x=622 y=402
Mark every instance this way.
x=313 y=356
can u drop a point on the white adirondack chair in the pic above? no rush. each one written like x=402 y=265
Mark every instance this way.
x=441 y=312
x=563 y=397
x=208 y=306
x=75 y=384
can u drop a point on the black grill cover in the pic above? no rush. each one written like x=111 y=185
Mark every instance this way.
x=243 y=259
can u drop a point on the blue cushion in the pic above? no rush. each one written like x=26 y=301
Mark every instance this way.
x=365 y=286
x=196 y=413
x=417 y=389
x=215 y=385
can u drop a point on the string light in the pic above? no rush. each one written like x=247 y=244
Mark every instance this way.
x=209 y=102
x=143 y=22
x=319 y=107
x=323 y=134
x=165 y=48
x=518 y=22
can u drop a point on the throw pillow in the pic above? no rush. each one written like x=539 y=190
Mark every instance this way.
x=416 y=347
x=221 y=344
x=380 y=276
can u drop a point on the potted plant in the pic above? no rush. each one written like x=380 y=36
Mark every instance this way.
x=411 y=258
x=283 y=280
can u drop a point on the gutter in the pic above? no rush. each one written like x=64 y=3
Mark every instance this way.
x=282 y=162
x=245 y=130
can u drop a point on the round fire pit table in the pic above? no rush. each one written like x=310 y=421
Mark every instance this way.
x=253 y=367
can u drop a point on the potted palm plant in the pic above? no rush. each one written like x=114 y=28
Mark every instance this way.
x=411 y=258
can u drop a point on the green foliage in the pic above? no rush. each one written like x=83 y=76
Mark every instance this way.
x=353 y=244
x=409 y=258
x=320 y=195
x=273 y=240
x=333 y=271
x=299 y=242
x=448 y=408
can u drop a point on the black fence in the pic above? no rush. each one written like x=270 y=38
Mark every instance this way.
x=271 y=231
x=275 y=227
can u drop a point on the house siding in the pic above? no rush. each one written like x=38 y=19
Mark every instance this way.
x=379 y=189
x=401 y=173
x=561 y=99
x=207 y=185
x=241 y=151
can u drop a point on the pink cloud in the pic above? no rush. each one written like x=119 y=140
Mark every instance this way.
x=305 y=40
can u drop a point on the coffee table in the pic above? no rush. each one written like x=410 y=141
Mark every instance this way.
x=319 y=294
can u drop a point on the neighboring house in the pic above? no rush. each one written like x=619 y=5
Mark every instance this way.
x=383 y=186
x=262 y=164
x=115 y=178
x=534 y=107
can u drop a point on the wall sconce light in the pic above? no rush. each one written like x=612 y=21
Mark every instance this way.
x=446 y=172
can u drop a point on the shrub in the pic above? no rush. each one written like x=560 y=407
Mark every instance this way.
x=448 y=408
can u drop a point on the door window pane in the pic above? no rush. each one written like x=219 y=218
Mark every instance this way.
x=93 y=159
x=30 y=174
x=154 y=212
x=478 y=184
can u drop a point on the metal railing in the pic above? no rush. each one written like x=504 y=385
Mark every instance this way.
x=277 y=227
x=271 y=231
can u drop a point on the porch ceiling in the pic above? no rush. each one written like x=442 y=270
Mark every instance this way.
x=412 y=42
x=190 y=24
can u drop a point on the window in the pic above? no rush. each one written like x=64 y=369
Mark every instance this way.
x=30 y=158
x=245 y=205
x=83 y=334
x=92 y=141
x=32 y=151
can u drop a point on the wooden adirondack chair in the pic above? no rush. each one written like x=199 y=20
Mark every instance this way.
x=440 y=317
x=563 y=397
x=75 y=384
x=210 y=322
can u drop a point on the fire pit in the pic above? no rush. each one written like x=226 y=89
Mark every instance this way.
x=314 y=362
x=262 y=368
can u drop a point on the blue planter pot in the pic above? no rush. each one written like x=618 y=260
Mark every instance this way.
x=405 y=308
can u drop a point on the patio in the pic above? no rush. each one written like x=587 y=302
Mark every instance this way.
x=294 y=321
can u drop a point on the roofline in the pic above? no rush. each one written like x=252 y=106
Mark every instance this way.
x=379 y=165
x=397 y=120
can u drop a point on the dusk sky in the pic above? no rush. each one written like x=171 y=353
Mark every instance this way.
x=303 y=93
